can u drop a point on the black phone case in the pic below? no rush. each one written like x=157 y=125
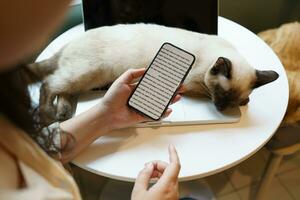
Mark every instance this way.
x=175 y=90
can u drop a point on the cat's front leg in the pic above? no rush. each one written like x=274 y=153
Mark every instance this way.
x=47 y=110
x=66 y=105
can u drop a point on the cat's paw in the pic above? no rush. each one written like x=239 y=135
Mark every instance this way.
x=64 y=112
x=46 y=115
x=65 y=107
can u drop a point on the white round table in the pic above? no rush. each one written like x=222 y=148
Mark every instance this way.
x=203 y=149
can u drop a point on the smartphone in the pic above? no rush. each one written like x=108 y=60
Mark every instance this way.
x=161 y=80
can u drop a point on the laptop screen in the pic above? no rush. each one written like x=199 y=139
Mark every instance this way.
x=195 y=15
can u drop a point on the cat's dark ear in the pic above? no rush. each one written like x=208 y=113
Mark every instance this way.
x=222 y=67
x=264 y=77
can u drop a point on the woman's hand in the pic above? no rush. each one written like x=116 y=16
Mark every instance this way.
x=166 y=188
x=110 y=113
x=115 y=100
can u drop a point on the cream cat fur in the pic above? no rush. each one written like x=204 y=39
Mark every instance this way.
x=285 y=41
x=99 y=56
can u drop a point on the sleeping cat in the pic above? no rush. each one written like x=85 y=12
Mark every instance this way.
x=285 y=41
x=99 y=56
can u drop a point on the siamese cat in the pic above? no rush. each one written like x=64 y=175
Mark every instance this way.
x=99 y=56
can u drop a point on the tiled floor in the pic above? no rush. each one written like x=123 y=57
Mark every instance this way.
x=241 y=182
x=237 y=183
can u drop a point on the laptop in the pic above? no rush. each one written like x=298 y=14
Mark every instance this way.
x=187 y=111
x=200 y=16
x=194 y=15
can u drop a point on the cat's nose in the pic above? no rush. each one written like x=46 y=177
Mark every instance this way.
x=220 y=106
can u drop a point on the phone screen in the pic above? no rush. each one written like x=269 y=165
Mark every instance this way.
x=157 y=87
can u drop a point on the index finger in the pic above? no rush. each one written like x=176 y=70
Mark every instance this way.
x=173 y=156
x=170 y=174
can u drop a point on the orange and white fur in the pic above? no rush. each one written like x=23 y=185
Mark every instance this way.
x=99 y=56
x=285 y=41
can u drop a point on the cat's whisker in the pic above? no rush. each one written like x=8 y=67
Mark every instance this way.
x=206 y=90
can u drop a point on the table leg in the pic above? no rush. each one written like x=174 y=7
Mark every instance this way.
x=271 y=168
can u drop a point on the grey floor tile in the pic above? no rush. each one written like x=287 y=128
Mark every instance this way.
x=248 y=172
x=291 y=181
x=230 y=196
x=219 y=184
x=116 y=190
x=90 y=184
x=276 y=191
x=289 y=163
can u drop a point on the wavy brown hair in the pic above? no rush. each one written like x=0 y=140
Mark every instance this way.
x=15 y=102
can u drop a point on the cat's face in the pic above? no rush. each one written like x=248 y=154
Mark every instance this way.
x=230 y=82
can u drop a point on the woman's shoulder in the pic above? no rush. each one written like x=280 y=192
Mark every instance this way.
x=9 y=170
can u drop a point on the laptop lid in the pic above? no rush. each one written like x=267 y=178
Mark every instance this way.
x=200 y=16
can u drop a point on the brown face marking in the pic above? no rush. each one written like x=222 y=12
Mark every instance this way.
x=224 y=99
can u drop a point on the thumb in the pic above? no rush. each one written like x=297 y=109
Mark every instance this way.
x=131 y=74
x=142 y=181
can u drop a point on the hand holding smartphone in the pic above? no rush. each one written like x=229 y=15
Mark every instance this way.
x=160 y=82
